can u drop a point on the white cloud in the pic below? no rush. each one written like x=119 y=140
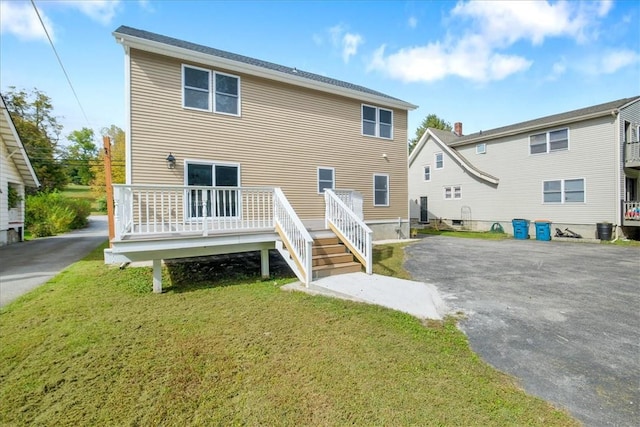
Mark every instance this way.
x=612 y=61
x=101 y=11
x=557 y=70
x=350 y=43
x=317 y=39
x=22 y=21
x=480 y=52
x=347 y=42
x=412 y=22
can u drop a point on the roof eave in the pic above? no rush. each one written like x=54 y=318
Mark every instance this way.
x=518 y=131
x=240 y=67
x=30 y=179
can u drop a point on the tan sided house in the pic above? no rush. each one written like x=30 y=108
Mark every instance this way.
x=16 y=173
x=227 y=153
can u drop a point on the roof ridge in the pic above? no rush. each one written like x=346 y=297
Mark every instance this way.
x=293 y=71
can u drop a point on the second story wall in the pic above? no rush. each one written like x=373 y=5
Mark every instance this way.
x=281 y=137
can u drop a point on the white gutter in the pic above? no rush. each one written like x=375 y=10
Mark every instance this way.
x=255 y=70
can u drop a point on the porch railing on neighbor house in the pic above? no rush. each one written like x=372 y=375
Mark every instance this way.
x=351 y=229
x=631 y=210
x=294 y=234
x=159 y=209
x=632 y=154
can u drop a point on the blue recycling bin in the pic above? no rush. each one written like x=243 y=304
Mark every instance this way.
x=520 y=228
x=543 y=229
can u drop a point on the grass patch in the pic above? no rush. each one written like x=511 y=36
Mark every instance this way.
x=486 y=235
x=388 y=260
x=622 y=242
x=94 y=346
x=75 y=191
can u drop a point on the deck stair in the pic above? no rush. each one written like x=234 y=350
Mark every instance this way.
x=330 y=256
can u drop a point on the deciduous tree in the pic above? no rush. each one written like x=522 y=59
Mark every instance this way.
x=431 y=121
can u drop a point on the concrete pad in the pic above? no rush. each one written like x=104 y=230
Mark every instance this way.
x=416 y=298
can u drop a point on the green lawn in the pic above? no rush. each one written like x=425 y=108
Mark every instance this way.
x=94 y=346
x=75 y=191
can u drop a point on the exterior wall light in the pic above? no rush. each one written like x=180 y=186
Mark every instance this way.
x=171 y=161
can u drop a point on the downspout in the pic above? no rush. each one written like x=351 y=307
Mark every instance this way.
x=127 y=113
x=617 y=126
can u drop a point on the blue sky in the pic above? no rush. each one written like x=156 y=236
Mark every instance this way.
x=485 y=64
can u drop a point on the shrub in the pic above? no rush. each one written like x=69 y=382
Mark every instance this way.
x=52 y=213
x=102 y=203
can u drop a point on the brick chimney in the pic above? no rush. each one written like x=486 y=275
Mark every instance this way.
x=457 y=128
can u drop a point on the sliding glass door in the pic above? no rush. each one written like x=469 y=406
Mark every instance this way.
x=218 y=202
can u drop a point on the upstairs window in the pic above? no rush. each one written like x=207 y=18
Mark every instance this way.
x=210 y=91
x=557 y=140
x=196 y=88
x=439 y=158
x=377 y=122
x=326 y=179
x=481 y=148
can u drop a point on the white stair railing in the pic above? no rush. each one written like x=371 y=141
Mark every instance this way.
x=294 y=234
x=349 y=228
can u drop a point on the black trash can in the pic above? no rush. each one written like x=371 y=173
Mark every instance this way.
x=605 y=230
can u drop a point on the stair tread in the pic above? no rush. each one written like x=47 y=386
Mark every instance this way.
x=338 y=255
x=335 y=266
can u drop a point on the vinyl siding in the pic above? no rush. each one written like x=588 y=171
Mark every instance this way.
x=591 y=156
x=8 y=174
x=631 y=114
x=285 y=132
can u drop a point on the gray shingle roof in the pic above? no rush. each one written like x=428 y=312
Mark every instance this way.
x=541 y=122
x=124 y=30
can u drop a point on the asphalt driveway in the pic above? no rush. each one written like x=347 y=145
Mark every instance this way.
x=563 y=318
x=27 y=265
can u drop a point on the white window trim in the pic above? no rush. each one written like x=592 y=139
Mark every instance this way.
x=211 y=163
x=333 y=178
x=481 y=148
x=215 y=92
x=562 y=191
x=212 y=91
x=453 y=192
x=424 y=173
x=377 y=122
x=388 y=189
x=547 y=133
x=435 y=160
x=184 y=66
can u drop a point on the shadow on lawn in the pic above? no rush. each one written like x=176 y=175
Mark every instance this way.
x=222 y=270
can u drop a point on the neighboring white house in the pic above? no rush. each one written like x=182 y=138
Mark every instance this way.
x=16 y=173
x=575 y=169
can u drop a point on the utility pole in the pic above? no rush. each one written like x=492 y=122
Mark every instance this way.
x=107 y=180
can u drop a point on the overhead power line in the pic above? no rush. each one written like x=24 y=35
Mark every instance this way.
x=44 y=27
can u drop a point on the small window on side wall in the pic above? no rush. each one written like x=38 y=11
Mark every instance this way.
x=427 y=173
x=326 y=179
x=481 y=148
x=380 y=190
x=439 y=159
x=377 y=122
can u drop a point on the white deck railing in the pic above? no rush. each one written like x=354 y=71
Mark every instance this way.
x=294 y=234
x=632 y=152
x=147 y=210
x=353 y=200
x=349 y=228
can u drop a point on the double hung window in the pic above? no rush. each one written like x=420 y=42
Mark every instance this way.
x=557 y=140
x=380 y=190
x=563 y=191
x=326 y=179
x=377 y=122
x=210 y=91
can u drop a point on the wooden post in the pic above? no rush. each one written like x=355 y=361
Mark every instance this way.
x=264 y=263
x=106 y=141
x=157 y=276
